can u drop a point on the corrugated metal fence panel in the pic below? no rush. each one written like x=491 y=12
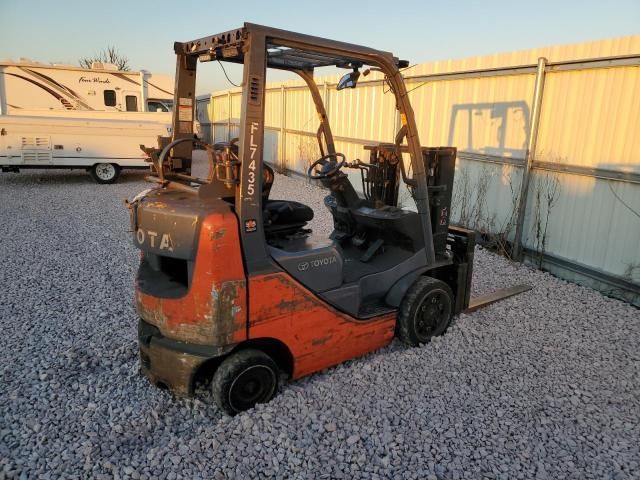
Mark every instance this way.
x=273 y=108
x=483 y=115
x=587 y=223
x=485 y=196
x=592 y=118
x=627 y=45
x=300 y=113
x=366 y=113
x=220 y=108
x=219 y=116
x=204 y=117
x=272 y=117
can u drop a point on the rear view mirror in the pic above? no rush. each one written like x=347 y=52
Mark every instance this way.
x=349 y=80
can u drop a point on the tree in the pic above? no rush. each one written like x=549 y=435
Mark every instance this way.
x=108 y=55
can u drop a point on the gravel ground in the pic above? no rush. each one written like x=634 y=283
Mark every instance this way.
x=543 y=385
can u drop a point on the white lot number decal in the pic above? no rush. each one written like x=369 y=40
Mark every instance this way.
x=253 y=148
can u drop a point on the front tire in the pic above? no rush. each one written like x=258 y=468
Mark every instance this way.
x=104 y=173
x=244 y=379
x=425 y=312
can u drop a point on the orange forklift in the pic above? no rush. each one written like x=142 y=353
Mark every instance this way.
x=233 y=286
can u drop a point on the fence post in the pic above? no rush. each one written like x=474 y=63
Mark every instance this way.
x=397 y=125
x=212 y=119
x=283 y=133
x=529 y=158
x=325 y=97
x=229 y=115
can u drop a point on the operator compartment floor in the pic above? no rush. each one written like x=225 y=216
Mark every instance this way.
x=386 y=258
x=303 y=242
x=285 y=249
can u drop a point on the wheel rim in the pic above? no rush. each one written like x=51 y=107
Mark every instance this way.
x=432 y=314
x=105 y=171
x=254 y=385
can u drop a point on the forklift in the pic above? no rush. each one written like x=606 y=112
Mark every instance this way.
x=234 y=287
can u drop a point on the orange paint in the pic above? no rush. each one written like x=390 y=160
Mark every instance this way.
x=317 y=335
x=214 y=309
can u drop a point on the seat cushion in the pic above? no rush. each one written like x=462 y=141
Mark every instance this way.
x=286 y=212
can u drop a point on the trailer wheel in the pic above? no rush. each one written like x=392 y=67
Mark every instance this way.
x=425 y=311
x=105 y=172
x=244 y=379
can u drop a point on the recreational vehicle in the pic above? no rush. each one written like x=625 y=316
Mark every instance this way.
x=56 y=116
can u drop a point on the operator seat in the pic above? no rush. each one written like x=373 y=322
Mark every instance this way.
x=285 y=216
x=281 y=217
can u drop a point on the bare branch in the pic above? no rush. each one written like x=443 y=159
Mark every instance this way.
x=615 y=194
x=108 y=55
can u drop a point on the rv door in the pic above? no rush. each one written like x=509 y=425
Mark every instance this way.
x=131 y=101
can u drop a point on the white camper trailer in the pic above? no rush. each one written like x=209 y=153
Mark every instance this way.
x=70 y=117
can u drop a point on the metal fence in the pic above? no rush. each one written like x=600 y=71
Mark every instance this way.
x=569 y=127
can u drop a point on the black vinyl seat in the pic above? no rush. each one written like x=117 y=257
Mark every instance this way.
x=281 y=217
x=285 y=216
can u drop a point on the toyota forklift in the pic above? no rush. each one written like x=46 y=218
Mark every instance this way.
x=232 y=284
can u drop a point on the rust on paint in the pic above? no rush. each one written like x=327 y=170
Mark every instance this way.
x=291 y=305
x=156 y=204
x=320 y=341
x=216 y=234
x=174 y=370
x=227 y=311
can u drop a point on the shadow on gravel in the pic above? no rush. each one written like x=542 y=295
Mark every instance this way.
x=65 y=178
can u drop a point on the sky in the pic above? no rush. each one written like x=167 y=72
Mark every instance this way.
x=420 y=31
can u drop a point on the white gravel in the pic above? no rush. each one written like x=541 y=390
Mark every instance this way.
x=543 y=385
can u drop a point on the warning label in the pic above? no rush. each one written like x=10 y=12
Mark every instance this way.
x=185 y=113
x=185 y=101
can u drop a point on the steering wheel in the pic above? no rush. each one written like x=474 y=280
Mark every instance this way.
x=323 y=161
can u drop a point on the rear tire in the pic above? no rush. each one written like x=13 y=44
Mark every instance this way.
x=104 y=173
x=425 y=312
x=244 y=379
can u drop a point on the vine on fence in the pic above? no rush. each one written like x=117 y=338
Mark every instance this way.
x=547 y=192
x=469 y=206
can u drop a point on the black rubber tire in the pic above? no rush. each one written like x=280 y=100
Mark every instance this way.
x=413 y=328
x=254 y=369
x=99 y=175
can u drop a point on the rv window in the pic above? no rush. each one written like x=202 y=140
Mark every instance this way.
x=132 y=103
x=157 y=107
x=110 y=98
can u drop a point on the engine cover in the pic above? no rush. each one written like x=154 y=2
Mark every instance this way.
x=191 y=283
